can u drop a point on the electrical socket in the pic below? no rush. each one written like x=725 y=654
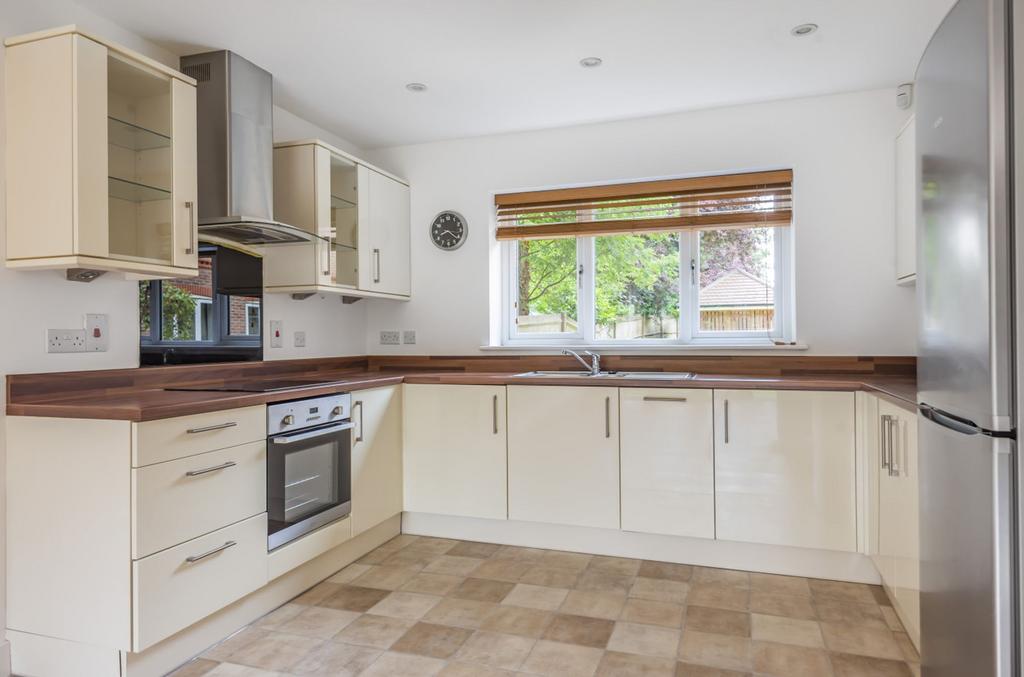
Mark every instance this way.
x=409 y=337
x=300 y=339
x=97 y=332
x=65 y=340
x=276 y=334
x=390 y=338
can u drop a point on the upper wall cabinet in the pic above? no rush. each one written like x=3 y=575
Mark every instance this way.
x=101 y=158
x=906 y=205
x=360 y=214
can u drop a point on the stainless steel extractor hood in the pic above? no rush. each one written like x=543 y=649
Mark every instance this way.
x=235 y=111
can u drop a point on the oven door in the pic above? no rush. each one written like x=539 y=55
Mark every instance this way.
x=309 y=481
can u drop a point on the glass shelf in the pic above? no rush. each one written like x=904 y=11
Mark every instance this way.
x=135 y=192
x=341 y=203
x=126 y=135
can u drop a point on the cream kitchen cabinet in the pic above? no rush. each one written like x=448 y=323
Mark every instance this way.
x=907 y=190
x=101 y=157
x=896 y=515
x=563 y=455
x=359 y=214
x=455 y=450
x=785 y=468
x=376 y=456
x=668 y=461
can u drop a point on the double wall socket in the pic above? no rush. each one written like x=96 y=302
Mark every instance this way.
x=390 y=338
x=93 y=338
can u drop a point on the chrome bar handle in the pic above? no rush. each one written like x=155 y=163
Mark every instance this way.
x=319 y=432
x=215 y=468
x=725 y=406
x=208 y=428
x=494 y=414
x=359 y=403
x=894 y=446
x=607 y=417
x=883 y=441
x=192 y=559
x=191 y=207
x=327 y=256
x=664 y=399
x=376 y=269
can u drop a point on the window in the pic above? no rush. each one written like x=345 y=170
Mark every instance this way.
x=197 y=319
x=702 y=264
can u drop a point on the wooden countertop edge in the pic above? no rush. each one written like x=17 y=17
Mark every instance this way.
x=148 y=405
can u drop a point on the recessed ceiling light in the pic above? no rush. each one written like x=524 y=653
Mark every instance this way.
x=591 y=62
x=804 y=29
x=416 y=87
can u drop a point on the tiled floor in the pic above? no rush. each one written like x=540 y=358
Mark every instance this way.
x=421 y=606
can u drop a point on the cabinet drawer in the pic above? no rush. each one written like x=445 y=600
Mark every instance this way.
x=171 y=438
x=170 y=592
x=181 y=499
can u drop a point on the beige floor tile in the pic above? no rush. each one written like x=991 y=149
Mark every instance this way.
x=550 y=577
x=692 y=670
x=855 y=613
x=403 y=665
x=317 y=593
x=385 y=578
x=281 y=614
x=349 y=573
x=496 y=650
x=910 y=654
x=223 y=650
x=846 y=638
x=582 y=630
x=453 y=565
x=717 y=621
x=437 y=546
x=436 y=641
x=724 y=576
x=786 y=631
x=410 y=559
x=472 y=549
x=517 y=553
x=400 y=541
x=565 y=560
x=432 y=584
x=379 y=632
x=354 y=598
x=515 y=620
x=276 y=651
x=647 y=640
x=720 y=651
x=615 y=664
x=651 y=612
x=667 y=570
x=878 y=592
x=597 y=604
x=235 y=670
x=892 y=621
x=786 y=660
x=197 y=667
x=555 y=659
x=535 y=597
x=482 y=590
x=472 y=670
x=410 y=605
x=376 y=557
x=792 y=606
x=660 y=590
x=334 y=659
x=622 y=566
x=602 y=581
x=719 y=595
x=849 y=592
x=463 y=613
x=780 y=585
x=848 y=665
x=318 y=621
x=510 y=570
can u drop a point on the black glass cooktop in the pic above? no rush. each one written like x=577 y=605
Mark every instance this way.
x=256 y=386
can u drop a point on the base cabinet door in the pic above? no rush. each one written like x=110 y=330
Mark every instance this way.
x=668 y=461
x=455 y=450
x=376 y=456
x=563 y=455
x=785 y=468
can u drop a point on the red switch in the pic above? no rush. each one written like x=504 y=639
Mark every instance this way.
x=96 y=332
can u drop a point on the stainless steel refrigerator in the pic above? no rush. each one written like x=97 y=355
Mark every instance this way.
x=968 y=324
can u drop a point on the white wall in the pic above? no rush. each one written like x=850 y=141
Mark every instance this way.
x=840 y=148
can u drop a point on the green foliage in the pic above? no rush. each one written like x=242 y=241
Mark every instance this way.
x=144 y=308
x=637 y=275
x=179 y=314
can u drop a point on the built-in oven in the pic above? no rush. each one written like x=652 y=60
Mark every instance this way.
x=309 y=466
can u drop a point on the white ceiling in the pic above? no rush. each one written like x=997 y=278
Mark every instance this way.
x=508 y=65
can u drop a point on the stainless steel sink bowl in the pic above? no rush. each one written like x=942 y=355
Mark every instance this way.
x=649 y=375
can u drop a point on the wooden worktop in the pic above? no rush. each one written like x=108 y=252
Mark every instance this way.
x=139 y=395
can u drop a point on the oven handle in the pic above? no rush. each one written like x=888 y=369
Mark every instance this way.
x=319 y=432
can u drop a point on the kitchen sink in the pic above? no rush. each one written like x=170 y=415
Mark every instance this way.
x=649 y=375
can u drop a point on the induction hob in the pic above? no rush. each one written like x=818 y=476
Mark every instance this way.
x=257 y=385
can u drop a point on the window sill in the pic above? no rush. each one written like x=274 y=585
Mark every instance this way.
x=648 y=348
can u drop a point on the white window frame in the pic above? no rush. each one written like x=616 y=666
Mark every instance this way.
x=259 y=318
x=200 y=302
x=689 y=335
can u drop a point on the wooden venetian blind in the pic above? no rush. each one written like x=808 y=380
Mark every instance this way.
x=725 y=201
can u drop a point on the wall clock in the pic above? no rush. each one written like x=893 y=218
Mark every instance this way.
x=448 y=230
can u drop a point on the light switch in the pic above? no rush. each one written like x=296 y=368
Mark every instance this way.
x=276 y=334
x=97 y=329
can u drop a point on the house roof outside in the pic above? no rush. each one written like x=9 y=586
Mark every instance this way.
x=737 y=289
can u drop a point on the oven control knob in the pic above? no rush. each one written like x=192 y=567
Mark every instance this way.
x=288 y=420
x=336 y=411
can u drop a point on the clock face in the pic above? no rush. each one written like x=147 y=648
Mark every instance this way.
x=448 y=230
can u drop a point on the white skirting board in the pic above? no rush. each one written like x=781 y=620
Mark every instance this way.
x=829 y=564
x=45 y=657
